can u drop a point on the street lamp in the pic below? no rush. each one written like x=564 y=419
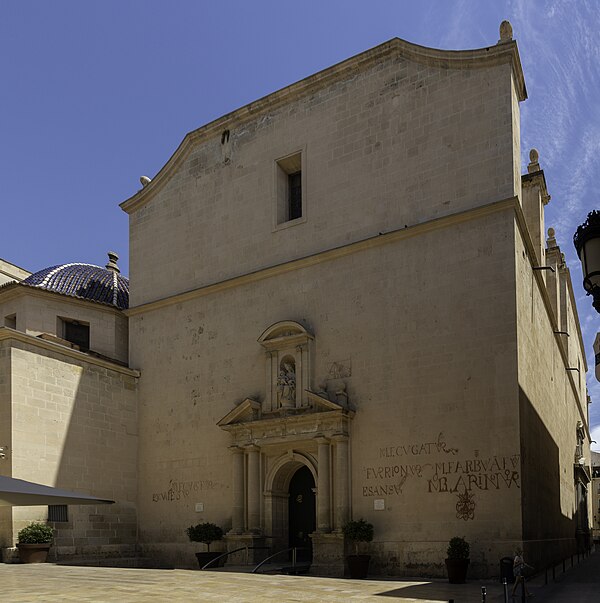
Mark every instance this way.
x=587 y=244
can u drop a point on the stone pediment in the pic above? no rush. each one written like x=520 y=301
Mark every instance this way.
x=321 y=403
x=245 y=412
x=249 y=411
x=247 y=423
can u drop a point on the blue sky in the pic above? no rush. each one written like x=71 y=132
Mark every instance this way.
x=95 y=94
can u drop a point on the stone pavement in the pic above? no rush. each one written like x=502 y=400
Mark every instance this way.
x=52 y=583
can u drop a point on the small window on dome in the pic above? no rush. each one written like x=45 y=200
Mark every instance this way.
x=78 y=333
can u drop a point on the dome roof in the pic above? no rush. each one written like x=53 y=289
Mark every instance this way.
x=85 y=281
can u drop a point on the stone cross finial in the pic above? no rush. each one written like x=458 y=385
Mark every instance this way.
x=112 y=262
x=145 y=180
x=534 y=161
x=551 y=240
x=506 y=32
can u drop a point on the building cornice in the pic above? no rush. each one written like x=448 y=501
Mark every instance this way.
x=328 y=255
x=501 y=53
x=10 y=334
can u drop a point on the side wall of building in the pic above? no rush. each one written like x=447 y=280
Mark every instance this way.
x=74 y=426
x=552 y=401
x=5 y=438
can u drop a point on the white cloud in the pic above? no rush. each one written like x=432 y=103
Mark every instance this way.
x=596 y=436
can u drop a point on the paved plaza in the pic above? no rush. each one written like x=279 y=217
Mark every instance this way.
x=48 y=583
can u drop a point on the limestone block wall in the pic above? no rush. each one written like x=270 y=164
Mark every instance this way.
x=393 y=143
x=74 y=426
x=427 y=339
x=5 y=435
x=552 y=400
x=9 y=272
x=41 y=312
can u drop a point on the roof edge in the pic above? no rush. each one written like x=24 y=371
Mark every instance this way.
x=6 y=333
x=503 y=52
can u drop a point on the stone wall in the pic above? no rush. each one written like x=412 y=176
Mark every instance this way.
x=41 y=312
x=552 y=399
x=74 y=426
x=426 y=339
x=396 y=142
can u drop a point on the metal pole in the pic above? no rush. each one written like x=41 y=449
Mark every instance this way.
x=483 y=594
x=505 y=585
x=523 y=596
x=294 y=557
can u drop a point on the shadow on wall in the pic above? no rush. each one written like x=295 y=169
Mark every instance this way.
x=99 y=457
x=549 y=536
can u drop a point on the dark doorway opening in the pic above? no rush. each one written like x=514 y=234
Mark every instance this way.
x=302 y=512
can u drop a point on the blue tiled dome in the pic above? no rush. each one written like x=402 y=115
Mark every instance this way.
x=85 y=281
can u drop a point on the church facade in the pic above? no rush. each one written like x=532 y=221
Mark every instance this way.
x=344 y=304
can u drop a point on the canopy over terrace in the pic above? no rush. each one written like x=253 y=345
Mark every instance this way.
x=20 y=493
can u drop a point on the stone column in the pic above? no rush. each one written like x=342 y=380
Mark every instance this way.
x=323 y=487
x=342 y=481
x=237 y=511
x=253 y=489
x=299 y=375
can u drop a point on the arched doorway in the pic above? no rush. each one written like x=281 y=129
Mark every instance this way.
x=302 y=519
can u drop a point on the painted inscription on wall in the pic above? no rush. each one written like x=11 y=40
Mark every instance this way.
x=179 y=490
x=438 y=468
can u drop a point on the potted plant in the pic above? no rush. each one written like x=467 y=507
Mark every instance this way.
x=206 y=533
x=34 y=541
x=358 y=531
x=457 y=562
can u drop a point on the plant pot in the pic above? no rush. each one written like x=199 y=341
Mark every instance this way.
x=457 y=570
x=33 y=553
x=204 y=558
x=358 y=565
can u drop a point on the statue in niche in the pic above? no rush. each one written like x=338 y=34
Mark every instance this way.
x=286 y=384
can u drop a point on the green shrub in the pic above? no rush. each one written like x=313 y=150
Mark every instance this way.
x=35 y=533
x=458 y=548
x=357 y=531
x=205 y=532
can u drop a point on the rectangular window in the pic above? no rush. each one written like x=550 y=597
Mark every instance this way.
x=295 y=195
x=77 y=333
x=11 y=321
x=289 y=189
x=58 y=513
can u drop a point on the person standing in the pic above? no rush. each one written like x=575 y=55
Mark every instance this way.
x=519 y=566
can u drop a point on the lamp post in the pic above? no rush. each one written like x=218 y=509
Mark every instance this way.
x=587 y=244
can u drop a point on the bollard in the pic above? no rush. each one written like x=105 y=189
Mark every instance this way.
x=483 y=594
x=523 y=596
x=505 y=586
x=564 y=569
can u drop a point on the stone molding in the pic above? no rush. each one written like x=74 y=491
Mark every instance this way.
x=330 y=254
x=7 y=334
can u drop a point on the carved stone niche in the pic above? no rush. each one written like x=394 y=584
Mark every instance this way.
x=287 y=347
